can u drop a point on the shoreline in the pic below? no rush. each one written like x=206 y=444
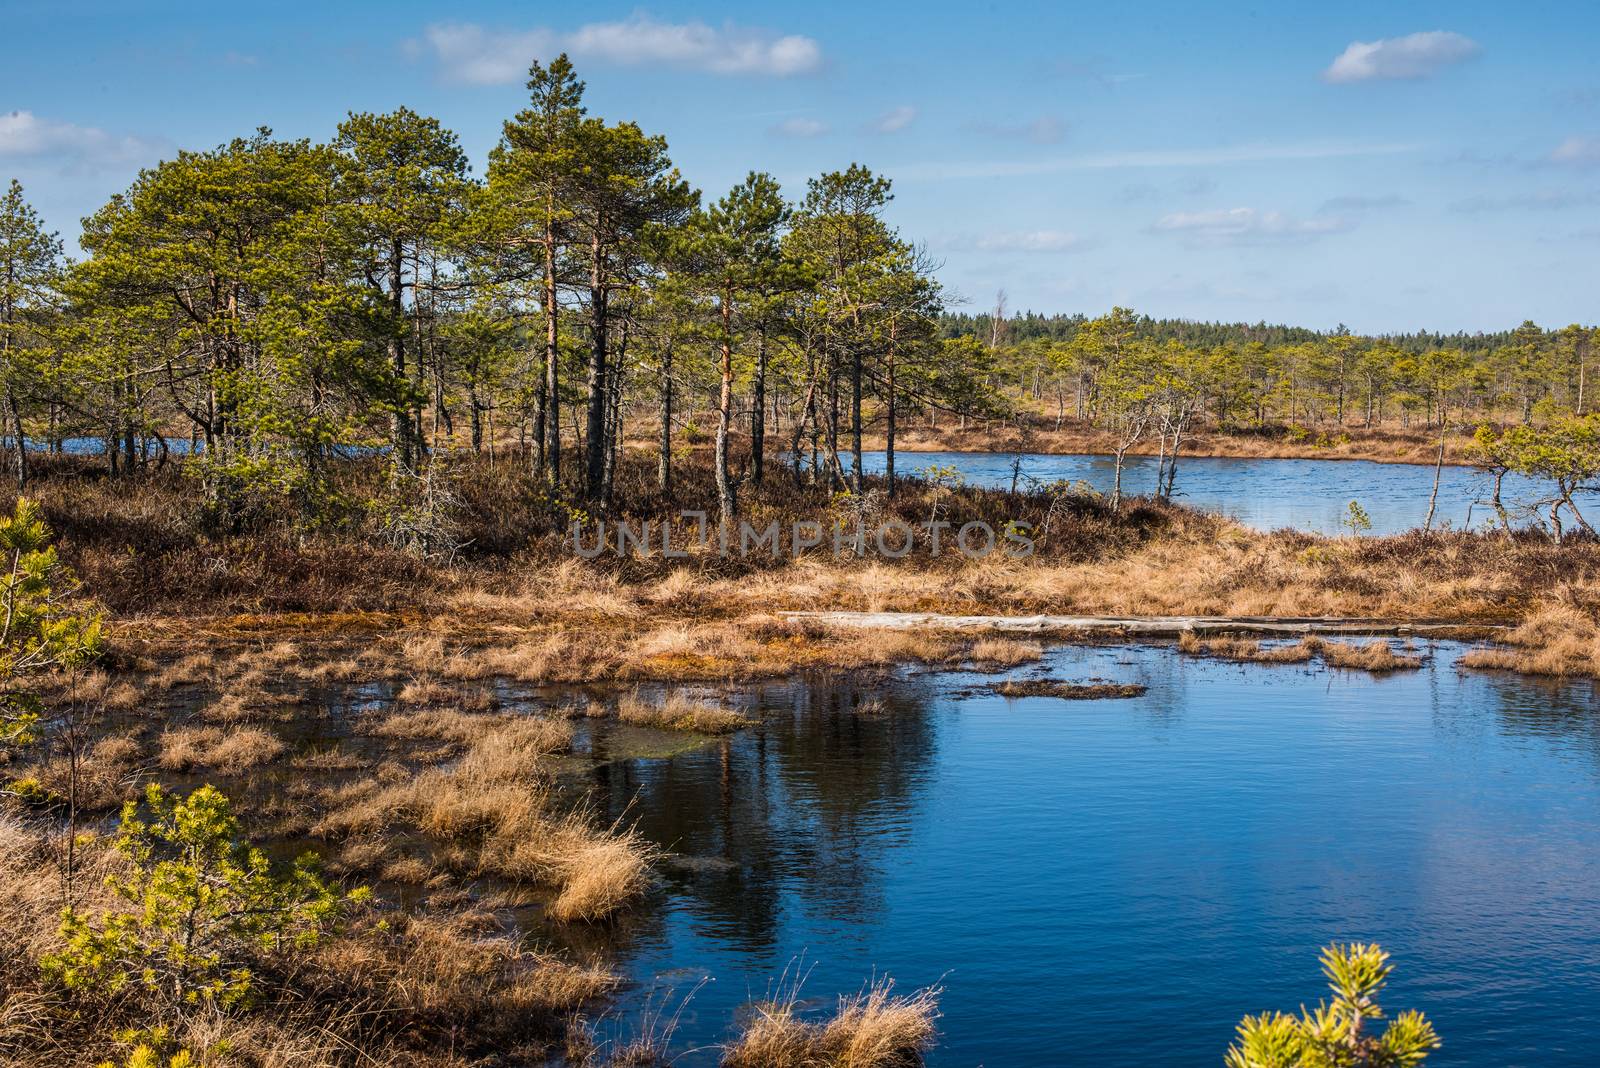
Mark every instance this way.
x=1374 y=444
x=1186 y=454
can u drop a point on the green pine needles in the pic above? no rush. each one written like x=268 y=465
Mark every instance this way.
x=201 y=908
x=1335 y=1034
x=40 y=630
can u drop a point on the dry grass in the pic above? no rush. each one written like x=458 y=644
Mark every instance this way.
x=432 y=693
x=344 y=670
x=493 y=812
x=438 y=966
x=108 y=774
x=1068 y=691
x=1000 y=653
x=440 y=990
x=1246 y=649
x=333 y=759
x=1557 y=639
x=192 y=669
x=872 y=1029
x=752 y=645
x=1376 y=656
x=229 y=751
x=268 y=658
x=97 y=688
x=678 y=712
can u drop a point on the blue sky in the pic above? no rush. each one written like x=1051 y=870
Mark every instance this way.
x=1389 y=166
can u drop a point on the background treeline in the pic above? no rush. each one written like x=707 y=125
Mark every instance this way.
x=1031 y=325
x=270 y=307
x=1254 y=376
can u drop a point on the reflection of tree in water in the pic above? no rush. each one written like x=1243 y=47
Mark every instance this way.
x=1565 y=712
x=806 y=807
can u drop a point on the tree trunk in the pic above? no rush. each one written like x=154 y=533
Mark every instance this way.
x=855 y=418
x=477 y=416
x=1161 y=465
x=1172 y=462
x=808 y=409
x=595 y=426
x=758 y=406
x=888 y=431
x=400 y=459
x=614 y=416
x=1438 y=469
x=664 y=447
x=551 y=449
x=725 y=501
x=14 y=415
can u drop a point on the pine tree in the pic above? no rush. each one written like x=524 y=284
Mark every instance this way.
x=30 y=269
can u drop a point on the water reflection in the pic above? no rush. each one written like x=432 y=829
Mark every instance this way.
x=1063 y=867
x=804 y=812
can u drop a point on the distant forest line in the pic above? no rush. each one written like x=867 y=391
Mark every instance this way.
x=1061 y=326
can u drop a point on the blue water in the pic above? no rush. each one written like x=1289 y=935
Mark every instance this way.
x=1116 y=882
x=1266 y=494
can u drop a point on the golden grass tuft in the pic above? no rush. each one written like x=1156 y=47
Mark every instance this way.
x=435 y=724
x=872 y=1029
x=429 y=692
x=228 y=751
x=343 y=670
x=192 y=669
x=679 y=712
x=1557 y=639
x=1000 y=653
x=494 y=812
x=600 y=874
x=108 y=774
x=1376 y=656
x=1245 y=649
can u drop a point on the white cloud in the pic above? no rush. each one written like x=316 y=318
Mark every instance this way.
x=1416 y=55
x=1247 y=226
x=894 y=120
x=25 y=135
x=1021 y=241
x=467 y=52
x=799 y=126
x=1578 y=151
